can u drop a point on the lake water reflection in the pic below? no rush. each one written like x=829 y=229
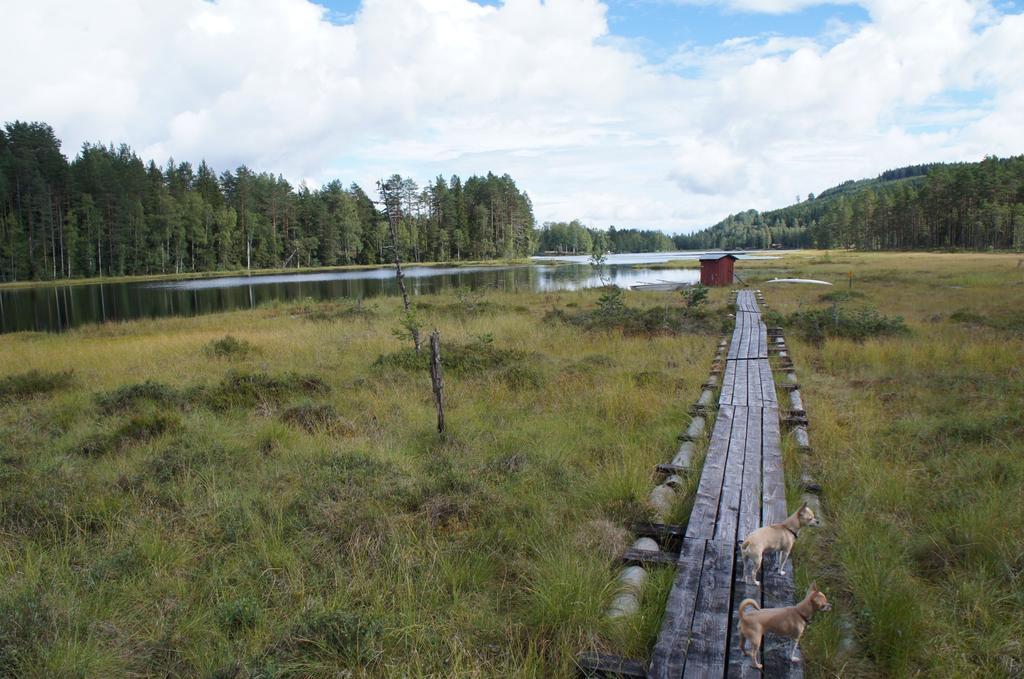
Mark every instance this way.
x=54 y=308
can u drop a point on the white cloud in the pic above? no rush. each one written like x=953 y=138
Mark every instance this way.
x=540 y=90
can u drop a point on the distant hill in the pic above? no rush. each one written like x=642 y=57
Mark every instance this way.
x=976 y=206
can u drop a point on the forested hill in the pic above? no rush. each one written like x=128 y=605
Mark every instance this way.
x=573 y=238
x=106 y=212
x=974 y=206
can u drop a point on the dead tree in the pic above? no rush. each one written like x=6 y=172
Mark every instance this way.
x=393 y=209
x=437 y=378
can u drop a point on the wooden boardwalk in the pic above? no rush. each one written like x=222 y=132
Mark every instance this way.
x=741 y=488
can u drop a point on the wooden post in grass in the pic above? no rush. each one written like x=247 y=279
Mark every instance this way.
x=437 y=379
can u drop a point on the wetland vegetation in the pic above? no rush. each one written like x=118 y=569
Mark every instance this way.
x=262 y=493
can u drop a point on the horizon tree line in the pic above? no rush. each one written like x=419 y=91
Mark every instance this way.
x=107 y=213
x=961 y=206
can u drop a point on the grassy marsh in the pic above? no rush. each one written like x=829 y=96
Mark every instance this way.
x=254 y=494
x=262 y=493
x=919 y=443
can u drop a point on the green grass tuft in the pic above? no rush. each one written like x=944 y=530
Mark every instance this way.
x=230 y=347
x=34 y=383
x=130 y=396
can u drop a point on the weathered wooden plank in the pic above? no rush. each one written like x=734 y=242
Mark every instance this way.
x=755 y=336
x=741 y=349
x=591 y=664
x=750 y=500
x=748 y=336
x=754 y=392
x=739 y=665
x=725 y=397
x=739 y=390
x=779 y=591
x=767 y=383
x=774 y=505
x=709 y=489
x=709 y=635
x=669 y=653
x=734 y=341
x=732 y=483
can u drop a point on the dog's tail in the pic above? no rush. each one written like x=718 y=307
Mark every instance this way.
x=748 y=602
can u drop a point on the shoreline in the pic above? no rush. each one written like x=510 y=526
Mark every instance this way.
x=198 y=275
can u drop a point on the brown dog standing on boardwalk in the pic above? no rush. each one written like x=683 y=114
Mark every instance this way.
x=778 y=537
x=790 y=621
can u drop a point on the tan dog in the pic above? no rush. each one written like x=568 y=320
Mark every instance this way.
x=790 y=621
x=778 y=537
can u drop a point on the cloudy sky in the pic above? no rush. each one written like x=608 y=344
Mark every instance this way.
x=646 y=113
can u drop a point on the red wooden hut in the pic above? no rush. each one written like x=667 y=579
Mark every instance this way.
x=716 y=269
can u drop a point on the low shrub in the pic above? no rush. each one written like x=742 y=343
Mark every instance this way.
x=966 y=316
x=248 y=389
x=129 y=396
x=229 y=347
x=34 y=383
x=333 y=311
x=858 y=324
x=696 y=296
x=180 y=455
x=841 y=296
x=521 y=377
x=136 y=429
x=612 y=315
x=1011 y=322
x=479 y=355
x=317 y=417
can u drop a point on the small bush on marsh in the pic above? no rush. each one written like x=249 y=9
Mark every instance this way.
x=326 y=312
x=180 y=455
x=136 y=429
x=640 y=322
x=247 y=389
x=1012 y=322
x=479 y=355
x=696 y=296
x=841 y=296
x=610 y=303
x=229 y=347
x=128 y=396
x=858 y=324
x=317 y=417
x=34 y=383
x=517 y=377
x=966 y=316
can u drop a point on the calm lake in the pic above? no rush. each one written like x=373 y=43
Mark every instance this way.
x=55 y=308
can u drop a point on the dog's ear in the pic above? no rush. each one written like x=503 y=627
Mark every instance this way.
x=814 y=586
x=803 y=506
